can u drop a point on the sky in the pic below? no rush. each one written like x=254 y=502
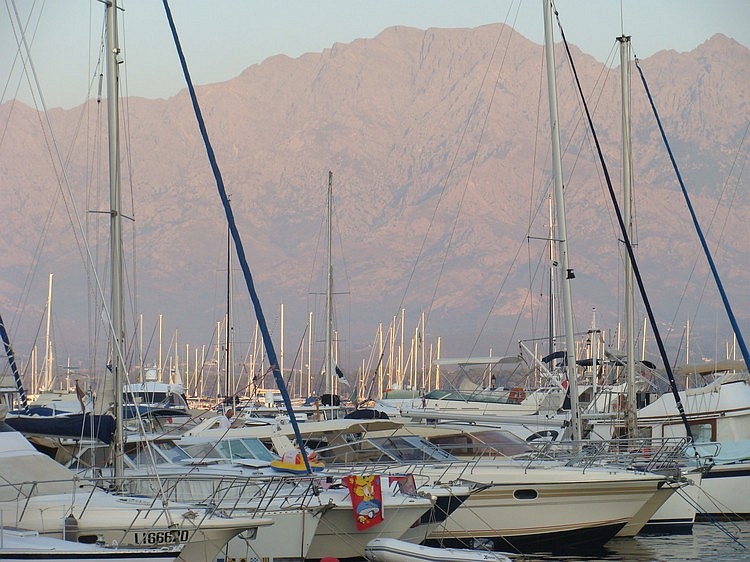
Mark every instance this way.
x=223 y=37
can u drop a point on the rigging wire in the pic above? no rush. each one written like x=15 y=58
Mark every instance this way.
x=64 y=183
x=452 y=167
x=623 y=229
x=704 y=244
x=268 y=343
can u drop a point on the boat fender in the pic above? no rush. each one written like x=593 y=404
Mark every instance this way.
x=70 y=528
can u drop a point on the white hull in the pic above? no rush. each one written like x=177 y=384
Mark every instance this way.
x=338 y=537
x=287 y=501
x=722 y=492
x=39 y=494
x=392 y=550
x=535 y=509
x=717 y=494
x=18 y=545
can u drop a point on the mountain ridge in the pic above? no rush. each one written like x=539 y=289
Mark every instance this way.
x=415 y=124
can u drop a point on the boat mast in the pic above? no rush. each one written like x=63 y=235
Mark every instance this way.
x=631 y=420
x=48 y=345
x=330 y=370
x=118 y=336
x=561 y=224
x=228 y=337
x=552 y=265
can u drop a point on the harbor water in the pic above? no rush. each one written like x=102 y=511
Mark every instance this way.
x=714 y=542
x=709 y=542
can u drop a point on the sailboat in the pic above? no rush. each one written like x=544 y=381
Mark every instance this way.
x=328 y=404
x=331 y=372
x=714 y=415
x=22 y=545
x=554 y=395
x=39 y=494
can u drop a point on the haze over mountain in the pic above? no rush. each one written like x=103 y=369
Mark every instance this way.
x=438 y=141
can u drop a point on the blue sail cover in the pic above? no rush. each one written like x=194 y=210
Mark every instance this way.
x=101 y=427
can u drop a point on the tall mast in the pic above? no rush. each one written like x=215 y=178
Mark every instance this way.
x=309 y=352
x=161 y=359
x=228 y=339
x=48 y=344
x=561 y=224
x=118 y=335
x=631 y=420
x=552 y=266
x=330 y=370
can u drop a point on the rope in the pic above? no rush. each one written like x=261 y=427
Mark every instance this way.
x=267 y=342
x=13 y=367
x=704 y=244
x=628 y=245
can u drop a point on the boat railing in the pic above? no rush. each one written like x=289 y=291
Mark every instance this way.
x=646 y=454
x=663 y=455
x=254 y=494
x=22 y=491
x=20 y=495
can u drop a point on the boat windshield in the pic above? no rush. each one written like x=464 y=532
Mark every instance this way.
x=482 y=442
x=155 y=398
x=409 y=448
x=231 y=449
x=164 y=452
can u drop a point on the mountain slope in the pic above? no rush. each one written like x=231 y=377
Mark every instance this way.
x=438 y=140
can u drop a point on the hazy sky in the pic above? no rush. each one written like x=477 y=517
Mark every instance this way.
x=223 y=37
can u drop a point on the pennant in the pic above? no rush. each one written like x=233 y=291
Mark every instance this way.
x=341 y=376
x=367 y=500
x=80 y=394
x=405 y=483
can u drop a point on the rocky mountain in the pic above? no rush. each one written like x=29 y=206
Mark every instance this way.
x=438 y=141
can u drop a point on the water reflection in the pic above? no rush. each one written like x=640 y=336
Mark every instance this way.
x=721 y=542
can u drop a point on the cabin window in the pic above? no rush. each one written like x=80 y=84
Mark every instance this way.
x=203 y=451
x=458 y=445
x=525 y=494
x=172 y=452
x=702 y=432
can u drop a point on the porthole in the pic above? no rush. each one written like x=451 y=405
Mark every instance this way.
x=525 y=494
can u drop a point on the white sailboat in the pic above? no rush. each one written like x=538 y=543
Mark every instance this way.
x=544 y=403
x=22 y=545
x=715 y=414
x=331 y=372
x=38 y=494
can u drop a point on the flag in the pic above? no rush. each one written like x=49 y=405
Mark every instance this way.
x=80 y=394
x=341 y=376
x=405 y=482
x=367 y=500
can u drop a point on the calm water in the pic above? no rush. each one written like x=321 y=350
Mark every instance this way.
x=708 y=543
